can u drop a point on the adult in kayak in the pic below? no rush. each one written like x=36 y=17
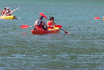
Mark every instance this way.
x=51 y=22
x=3 y=11
x=40 y=24
x=8 y=12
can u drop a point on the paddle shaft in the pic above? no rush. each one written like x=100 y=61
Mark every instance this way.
x=64 y=31
x=14 y=10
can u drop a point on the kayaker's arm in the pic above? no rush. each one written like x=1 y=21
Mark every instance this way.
x=12 y=11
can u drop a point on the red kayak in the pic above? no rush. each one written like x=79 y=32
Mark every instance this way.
x=49 y=31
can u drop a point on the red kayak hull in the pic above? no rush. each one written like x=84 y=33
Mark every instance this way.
x=42 y=32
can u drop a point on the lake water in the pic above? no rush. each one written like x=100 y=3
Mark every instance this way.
x=83 y=49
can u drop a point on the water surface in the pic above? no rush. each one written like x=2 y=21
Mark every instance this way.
x=81 y=50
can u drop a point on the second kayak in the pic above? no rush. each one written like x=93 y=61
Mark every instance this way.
x=8 y=17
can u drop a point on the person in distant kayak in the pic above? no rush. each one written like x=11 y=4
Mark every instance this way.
x=8 y=12
x=51 y=22
x=3 y=11
x=40 y=24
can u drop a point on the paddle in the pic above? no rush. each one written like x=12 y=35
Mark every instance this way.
x=15 y=9
x=43 y=15
x=97 y=18
x=61 y=28
x=25 y=26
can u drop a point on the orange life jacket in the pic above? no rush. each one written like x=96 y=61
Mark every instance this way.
x=50 y=23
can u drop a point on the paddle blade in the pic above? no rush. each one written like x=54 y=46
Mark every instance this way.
x=24 y=26
x=58 y=26
x=43 y=15
x=65 y=31
x=97 y=17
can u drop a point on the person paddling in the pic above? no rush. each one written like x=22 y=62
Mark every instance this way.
x=51 y=22
x=40 y=24
x=8 y=12
x=3 y=11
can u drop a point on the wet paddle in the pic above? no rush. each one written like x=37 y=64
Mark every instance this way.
x=61 y=29
x=25 y=26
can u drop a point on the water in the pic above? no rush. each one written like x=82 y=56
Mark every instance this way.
x=81 y=50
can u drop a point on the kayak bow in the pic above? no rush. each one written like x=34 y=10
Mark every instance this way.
x=8 y=17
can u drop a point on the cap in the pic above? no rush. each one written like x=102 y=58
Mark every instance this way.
x=7 y=8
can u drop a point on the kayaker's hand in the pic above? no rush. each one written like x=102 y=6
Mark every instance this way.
x=12 y=11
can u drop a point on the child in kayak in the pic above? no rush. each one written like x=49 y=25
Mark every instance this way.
x=3 y=11
x=40 y=24
x=51 y=22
